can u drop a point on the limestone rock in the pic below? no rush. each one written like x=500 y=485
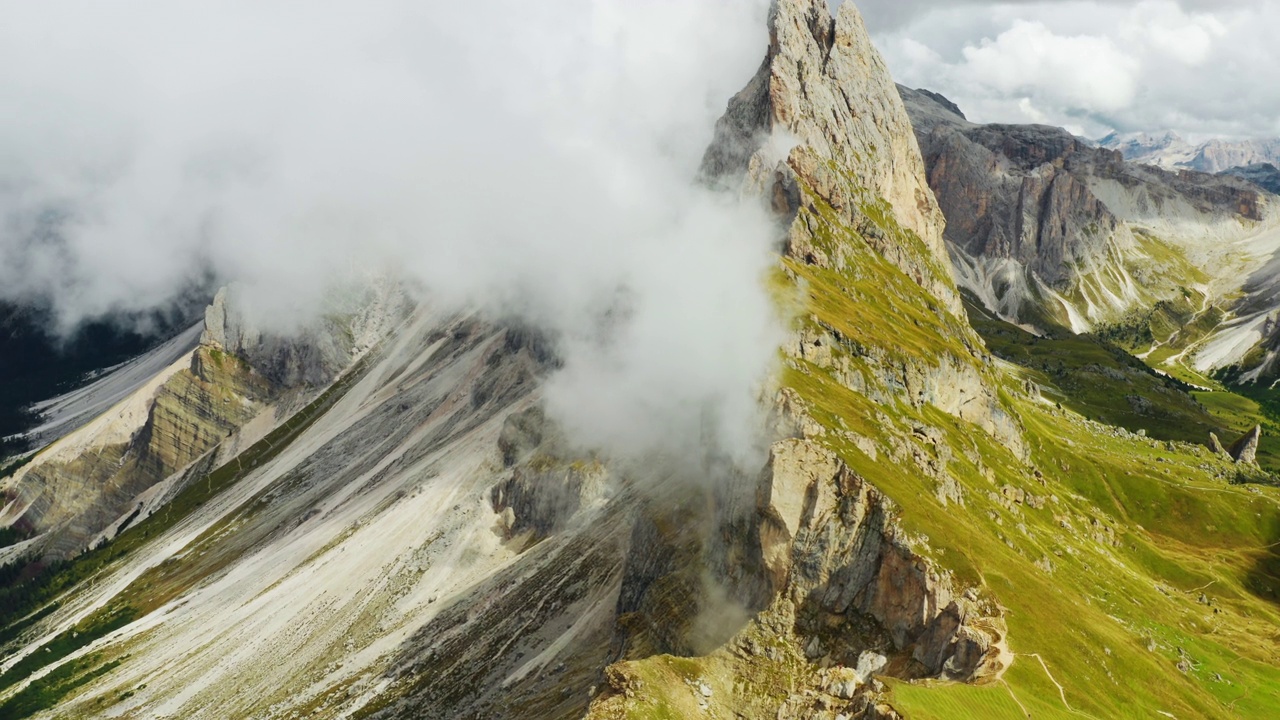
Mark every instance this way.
x=90 y=479
x=796 y=482
x=1036 y=216
x=870 y=663
x=1245 y=450
x=1216 y=445
x=823 y=107
x=842 y=683
x=830 y=543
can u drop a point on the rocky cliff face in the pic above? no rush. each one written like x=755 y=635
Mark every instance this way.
x=822 y=135
x=86 y=487
x=822 y=111
x=87 y=481
x=810 y=547
x=1048 y=230
x=1264 y=175
x=831 y=540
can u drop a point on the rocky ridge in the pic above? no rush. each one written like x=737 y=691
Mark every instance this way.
x=422 y=541
x=89 y=482
x=1048 y=230
x=822 y=100
x=1264 y=175
x=827 y=568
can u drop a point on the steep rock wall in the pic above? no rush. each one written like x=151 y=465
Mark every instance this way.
x=825 y=90
x=85 y=482
x=1046 y=229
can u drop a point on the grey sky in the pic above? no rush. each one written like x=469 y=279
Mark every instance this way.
x=1199 y=67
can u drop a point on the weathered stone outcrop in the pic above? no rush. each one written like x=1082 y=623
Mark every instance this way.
x=1039 y=219
x=832 y=547
x=79 y=493
x=88 y=480
x=1216 y=445
x=548 y=485
x=1245 y=450
x=823 y=110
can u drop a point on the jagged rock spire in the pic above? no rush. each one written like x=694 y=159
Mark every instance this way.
x=825 y=90
x=1245 y=450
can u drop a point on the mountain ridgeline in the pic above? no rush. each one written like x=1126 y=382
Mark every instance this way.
x=1052 y=233
x=1169 y=150
x=1047 y=229
x=963 y=508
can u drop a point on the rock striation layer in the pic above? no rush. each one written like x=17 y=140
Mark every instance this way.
x=85 y=483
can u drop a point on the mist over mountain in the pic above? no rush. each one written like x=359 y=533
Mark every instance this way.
x=1093 y=66
x=297 y=158
x=600 y=359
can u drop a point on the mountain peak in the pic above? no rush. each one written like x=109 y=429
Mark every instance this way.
x=824 y=98
x=943 y=101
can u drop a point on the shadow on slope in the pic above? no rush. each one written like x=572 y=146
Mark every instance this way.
x=1102 y=382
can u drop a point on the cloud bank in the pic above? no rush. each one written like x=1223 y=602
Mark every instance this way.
x=1093 y=66
x=528 y=158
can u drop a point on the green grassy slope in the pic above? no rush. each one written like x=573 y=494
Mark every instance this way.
x=1137 y=580
x=1102 y=584
x=1094 y=376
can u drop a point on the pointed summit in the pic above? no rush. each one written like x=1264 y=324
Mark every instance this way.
x=823 y=109
x=1245 y=450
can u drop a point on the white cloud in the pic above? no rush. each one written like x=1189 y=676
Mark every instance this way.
x=1167 y=29
x=1191 y=65
x=1031 y=112
x=532 y=158
x=1084 y=71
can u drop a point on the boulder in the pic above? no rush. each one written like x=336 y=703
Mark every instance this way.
x=1245 y=450
x=1216 y=445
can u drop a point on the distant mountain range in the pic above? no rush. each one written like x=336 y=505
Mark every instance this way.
x=1169 y=150
x=1168 y=249
x=1264 y=175
x=1048 y=230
